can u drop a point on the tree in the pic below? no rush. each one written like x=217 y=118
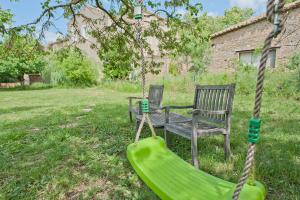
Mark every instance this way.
x=5 y=20
x=19 y=55
x=120 y=12
x=290 y=1
x=194 y=36
x=68 y=66
x=177 y=34
x=236 y=15
x=118 y=59
x=190 y=36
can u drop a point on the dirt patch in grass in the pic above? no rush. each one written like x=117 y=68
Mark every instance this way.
x=101 y=187
x=70 y=125
x=86 y=110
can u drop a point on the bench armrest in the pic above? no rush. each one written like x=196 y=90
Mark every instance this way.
x=168 y=108
x=134 y=97
x=130 y=99
x=216 y=112
x=176 y=107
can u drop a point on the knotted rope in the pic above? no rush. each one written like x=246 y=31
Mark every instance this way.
x=274 y=9
x=141 y=46
x=139 y=29
x=144 y=103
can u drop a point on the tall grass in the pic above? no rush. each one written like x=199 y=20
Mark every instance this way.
x=122 y=86
x=278 y=82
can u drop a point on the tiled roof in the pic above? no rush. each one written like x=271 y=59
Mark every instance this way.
x=253 y=20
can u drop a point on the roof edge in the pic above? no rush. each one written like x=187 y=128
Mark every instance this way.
x=254 y=20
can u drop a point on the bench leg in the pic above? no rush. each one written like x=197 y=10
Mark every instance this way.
x=130 y=116
x=227 y=146
x=137 y=125
x=167 y=139
x=195 y=151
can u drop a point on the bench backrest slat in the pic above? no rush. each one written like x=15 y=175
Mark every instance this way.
x=214 y=98
x=155 y=95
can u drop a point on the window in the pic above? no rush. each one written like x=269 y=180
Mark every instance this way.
x=272 y=58
x=246 y=57
x=252 y=58
x=84 y=31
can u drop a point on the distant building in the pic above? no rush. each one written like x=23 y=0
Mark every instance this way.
x=242 y=41
x=84 y=27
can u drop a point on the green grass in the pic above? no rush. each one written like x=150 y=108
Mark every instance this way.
x=51 y=148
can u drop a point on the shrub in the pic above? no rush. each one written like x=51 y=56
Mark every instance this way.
x=277 y=82
x=70 y=67
x=78 y=70
x=173 y=69
x=20 y=55
x=294 y=64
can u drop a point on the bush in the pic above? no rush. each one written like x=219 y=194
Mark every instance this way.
x=277 y=82
x=294 y=64
x=69 y=67
x=20 y=55
x=173 y=69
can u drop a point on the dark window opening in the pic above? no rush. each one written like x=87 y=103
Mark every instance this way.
x=252 y=58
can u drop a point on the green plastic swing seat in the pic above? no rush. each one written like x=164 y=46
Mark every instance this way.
x=170 y=177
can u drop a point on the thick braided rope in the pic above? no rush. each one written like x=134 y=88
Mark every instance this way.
x=139 y=30
x=259 y=88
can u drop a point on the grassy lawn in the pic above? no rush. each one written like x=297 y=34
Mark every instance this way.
x=71 y=143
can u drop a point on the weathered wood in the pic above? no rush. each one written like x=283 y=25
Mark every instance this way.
x=194 y=141
x=227 y=146
x=130 y=116
x=211 y=115
x=158 y=119
x=155 y=97
x=129 y=109
x=167 y=120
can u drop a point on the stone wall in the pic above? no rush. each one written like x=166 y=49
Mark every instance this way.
x=9 y=85
x=227 y=45
x=289 y=42
x=104 y=21
x=30 y=79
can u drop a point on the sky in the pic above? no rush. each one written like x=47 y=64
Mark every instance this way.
x=26 y=11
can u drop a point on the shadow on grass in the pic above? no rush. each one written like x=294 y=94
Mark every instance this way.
x=27 y=88
x=55 y=161
x=276 y=158
x=19 y=109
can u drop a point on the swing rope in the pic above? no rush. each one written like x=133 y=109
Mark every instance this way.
x=144 y=104
x=274 y=9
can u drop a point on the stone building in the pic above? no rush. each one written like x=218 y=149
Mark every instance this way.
x=83 y=27
x=241 y=42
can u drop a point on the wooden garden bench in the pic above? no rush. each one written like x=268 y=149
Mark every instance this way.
x=155 y=97
x=157 y=116
x=211 y=115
